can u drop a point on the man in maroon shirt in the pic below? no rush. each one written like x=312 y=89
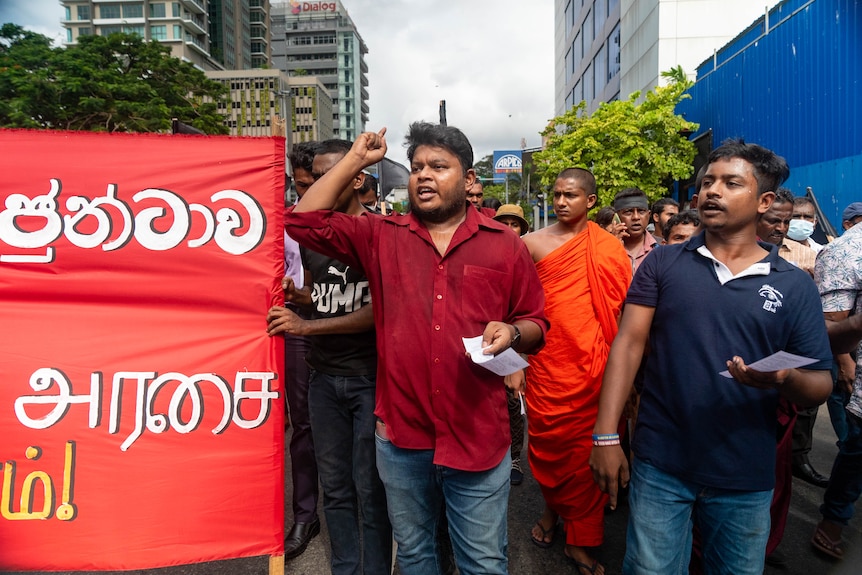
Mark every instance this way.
x=437 y=274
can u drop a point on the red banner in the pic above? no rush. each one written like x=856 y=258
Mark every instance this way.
x=141 y=418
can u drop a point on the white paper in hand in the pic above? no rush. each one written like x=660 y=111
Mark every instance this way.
x=777 y=361
x=504 y=363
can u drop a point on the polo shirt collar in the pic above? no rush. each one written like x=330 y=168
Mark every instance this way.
x=771 y=262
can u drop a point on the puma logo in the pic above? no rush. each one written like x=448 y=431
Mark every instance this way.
x=335 y=272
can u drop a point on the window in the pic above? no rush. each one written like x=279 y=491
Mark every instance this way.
x=347 y=45
x=108 y=30
x=133 y=10
x=569 y=65
x=601 y=17
x=600 y=63
x=611 y=5
x=84 y=31
x=570 y=16
x=589 y=94
x=68 y=13
x=157 y=10
x=178 y=32
x=159 y=32
x=139 y=30
x=577 y=51
x=69 y=35
x=175 y=10
x=83 y=12
x=614 y=52
x=587 y=32
x=110 y=11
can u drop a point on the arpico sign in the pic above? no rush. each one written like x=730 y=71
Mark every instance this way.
x=507 y=162
x=303 y=7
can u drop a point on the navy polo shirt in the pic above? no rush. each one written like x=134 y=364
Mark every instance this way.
x=692 y=422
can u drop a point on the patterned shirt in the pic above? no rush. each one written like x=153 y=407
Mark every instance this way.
x=838 y=274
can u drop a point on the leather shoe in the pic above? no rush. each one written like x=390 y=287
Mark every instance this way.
x=808 y=474
x=298 y=538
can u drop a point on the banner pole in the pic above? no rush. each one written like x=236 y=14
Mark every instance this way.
x=276 y=565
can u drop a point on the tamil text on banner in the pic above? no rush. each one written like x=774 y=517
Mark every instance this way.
x=141 y=419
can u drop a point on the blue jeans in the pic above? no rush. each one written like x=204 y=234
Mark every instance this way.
x=835 y=403
x=476 y=505
x=734 y=525
x=342 y=423
x=845 y=483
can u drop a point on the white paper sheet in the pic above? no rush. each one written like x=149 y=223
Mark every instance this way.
x=504 y=363
x=777 y=361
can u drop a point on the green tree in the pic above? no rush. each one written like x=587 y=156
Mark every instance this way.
x=485 y=167
x=623 y=143
x=118 y=83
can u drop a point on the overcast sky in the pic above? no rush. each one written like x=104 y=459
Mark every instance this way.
x=491 y=60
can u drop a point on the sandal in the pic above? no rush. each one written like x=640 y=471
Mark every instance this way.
x=823 y=543
x=580 y=566
x=545 y=533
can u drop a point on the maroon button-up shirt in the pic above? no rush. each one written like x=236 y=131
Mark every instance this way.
x=429 y=393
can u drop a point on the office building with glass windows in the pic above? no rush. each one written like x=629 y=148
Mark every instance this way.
x=607 y=49
x=319 y=39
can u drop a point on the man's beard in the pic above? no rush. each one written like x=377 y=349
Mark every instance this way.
x=442 y=213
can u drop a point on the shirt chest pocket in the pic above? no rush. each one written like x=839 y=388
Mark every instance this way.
x=484 y=294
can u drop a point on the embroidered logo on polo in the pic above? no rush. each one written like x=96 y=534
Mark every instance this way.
x=772 y=298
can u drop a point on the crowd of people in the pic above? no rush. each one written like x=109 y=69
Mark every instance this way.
x=642 y=328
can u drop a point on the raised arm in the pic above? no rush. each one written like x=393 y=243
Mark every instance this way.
x=369 y=148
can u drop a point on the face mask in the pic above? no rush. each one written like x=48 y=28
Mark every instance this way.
x=800 y=230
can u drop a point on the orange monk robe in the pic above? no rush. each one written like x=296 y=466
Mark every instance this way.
x=585 y=282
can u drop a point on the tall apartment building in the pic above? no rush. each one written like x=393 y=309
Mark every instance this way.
x=240 y=33
x=182 y=25
x=211 y=34
x=319 y=39
x=607 y=49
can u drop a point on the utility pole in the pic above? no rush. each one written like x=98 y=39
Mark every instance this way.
x=442 y=112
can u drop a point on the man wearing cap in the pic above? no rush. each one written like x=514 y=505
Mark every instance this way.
x=585 y=274
x=852 y=215
x=838 y=274
x=633 y=208
x=513 y=216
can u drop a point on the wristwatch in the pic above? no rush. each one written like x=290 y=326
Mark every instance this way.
x=515 y=338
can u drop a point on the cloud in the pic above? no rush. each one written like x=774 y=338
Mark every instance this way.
x=492 y=61
x=42 y=16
